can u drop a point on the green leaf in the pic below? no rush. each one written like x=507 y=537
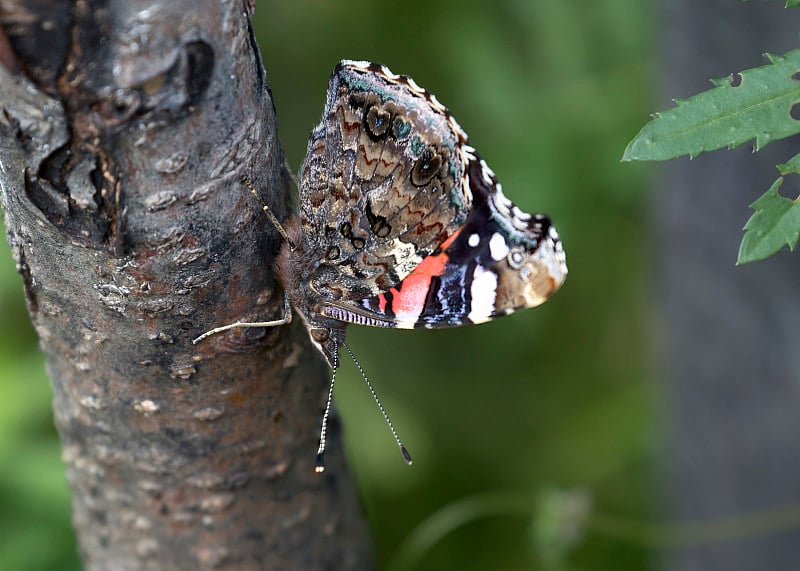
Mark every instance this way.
x=793 y=164
x=792 y=3
x=775 y=224
x=761 y=103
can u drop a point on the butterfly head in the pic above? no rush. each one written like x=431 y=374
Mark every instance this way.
x=327 y=341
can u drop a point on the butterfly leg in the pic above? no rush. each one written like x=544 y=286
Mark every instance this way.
x=272 y=218
x=286 y=318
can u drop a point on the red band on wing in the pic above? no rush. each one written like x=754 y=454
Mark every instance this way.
x=409 y=299
x=382 y=303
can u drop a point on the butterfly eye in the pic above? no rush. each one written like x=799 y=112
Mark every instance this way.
x=320 y=335
x=426 y=167
x=377 y=122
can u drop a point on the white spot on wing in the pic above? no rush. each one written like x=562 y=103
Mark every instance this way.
x=551 y=255
x=405 y=257
x=415 y=86
x=503 y=207
x=486 y=172
x=358 y=64
x=498 y=247
x=484 y=294
x=457 y=128
x=561 y=258
x=473 y=240
x=524 y=216
x=519 y=224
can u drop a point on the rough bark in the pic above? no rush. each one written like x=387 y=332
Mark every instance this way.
x=125 y=128
x=731 y=343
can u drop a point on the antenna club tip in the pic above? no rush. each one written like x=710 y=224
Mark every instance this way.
x=319 y=468
x=406 y=455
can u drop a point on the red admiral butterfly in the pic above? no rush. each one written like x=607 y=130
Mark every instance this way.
x=401 y=223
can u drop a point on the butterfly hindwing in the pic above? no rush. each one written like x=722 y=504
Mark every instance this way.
x=500 y=260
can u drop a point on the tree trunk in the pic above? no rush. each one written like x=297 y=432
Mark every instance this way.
x=125 y=129
x=731 y=342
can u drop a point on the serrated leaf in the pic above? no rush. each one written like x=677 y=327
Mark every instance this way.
x=775 y=224
x=758 y=104
x=792 y=166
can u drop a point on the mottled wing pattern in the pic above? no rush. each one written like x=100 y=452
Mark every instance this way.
x=384 y=181
x=500 y=260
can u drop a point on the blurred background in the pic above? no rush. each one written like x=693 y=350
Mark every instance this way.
x=565 y=437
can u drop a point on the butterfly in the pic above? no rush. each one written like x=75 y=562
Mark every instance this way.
x=401 y=224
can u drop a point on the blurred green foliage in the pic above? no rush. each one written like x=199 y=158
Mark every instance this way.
x=35 y=531
x=556 y=398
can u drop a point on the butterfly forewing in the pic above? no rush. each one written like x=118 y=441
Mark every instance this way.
x=383 y=184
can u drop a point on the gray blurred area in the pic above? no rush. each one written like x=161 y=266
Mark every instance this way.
x=727 y=335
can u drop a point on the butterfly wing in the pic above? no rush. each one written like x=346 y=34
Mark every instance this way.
x=500 y=260
x=383 y=183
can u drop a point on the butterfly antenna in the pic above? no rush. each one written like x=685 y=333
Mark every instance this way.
x=403 y=450
x=320 y=465
x=272 y=218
